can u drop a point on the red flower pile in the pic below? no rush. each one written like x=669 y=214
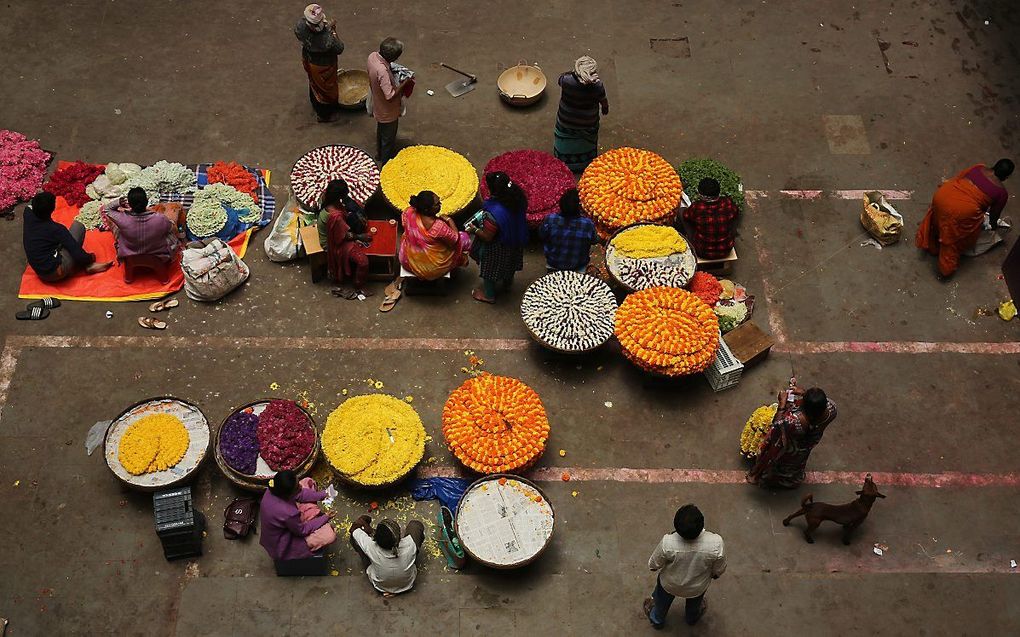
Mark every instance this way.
x=542 y=177
x=22 y=167
x=706 y=287
x=236 y=175
x=285 y=434
x=69 y=182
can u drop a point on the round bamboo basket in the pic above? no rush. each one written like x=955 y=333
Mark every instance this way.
x=616 y=280
x=183 y=471
x=474 y=552
x=353 y=87
x=254 y=482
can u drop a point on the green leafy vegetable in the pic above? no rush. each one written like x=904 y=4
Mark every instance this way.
x=693 y=171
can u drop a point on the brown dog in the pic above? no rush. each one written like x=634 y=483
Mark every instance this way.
x=848 y=515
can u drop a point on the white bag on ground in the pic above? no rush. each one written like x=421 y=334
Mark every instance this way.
x=282 y=243
x=212 y=271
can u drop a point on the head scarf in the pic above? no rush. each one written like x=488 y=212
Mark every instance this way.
x=314 y=14
x=586 y=69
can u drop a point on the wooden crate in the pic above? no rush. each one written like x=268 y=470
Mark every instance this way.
x=316 y=255
x=748 y=343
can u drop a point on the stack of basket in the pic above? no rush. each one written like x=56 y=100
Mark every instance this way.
x=178 y=525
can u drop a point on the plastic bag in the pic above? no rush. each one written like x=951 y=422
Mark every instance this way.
x=880 y=219
x=212 y=271
x=282 y=243
x=448 y=491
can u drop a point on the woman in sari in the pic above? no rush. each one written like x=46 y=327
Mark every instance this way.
x=956 y=218
x=502 y=233
x=796 y=428
x=346 y=237
x=431 y=245
x=576 y=140
x=287 y=532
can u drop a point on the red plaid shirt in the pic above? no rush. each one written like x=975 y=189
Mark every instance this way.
x=713 y=226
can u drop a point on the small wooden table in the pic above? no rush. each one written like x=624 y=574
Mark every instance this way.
x=721 y=266
x=382 y=252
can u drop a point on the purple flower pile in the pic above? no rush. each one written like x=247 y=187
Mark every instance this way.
x=239 y=442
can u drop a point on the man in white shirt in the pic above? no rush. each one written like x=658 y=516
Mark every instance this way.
x=687 y=561
x=390 y=555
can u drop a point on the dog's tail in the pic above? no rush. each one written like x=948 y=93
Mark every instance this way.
x=807 y=501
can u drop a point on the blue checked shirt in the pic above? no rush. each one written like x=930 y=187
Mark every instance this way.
x=567 y=241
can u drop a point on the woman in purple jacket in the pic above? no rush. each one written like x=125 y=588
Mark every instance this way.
x=283 y=533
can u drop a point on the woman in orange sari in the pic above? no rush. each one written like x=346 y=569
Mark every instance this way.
x=431 y=245
x=957 y=214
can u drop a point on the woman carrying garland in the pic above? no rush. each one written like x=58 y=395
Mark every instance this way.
x=346 y=236
x=431 y=246
x=576 y=140
x=501 y=232
x=796 y=428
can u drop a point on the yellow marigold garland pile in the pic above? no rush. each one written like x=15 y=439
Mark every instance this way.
x=668 y=331
x=153 y=443
x=756 y=429
x=374 y=440
x=495 y=424
x=445 y=172
x=627 y=185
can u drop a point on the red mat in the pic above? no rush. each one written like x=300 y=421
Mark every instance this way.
x=109 y=285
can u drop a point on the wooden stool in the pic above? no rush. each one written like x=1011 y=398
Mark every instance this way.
x=156 y=265
x=382 y=252
x=413 y=286
x=748 y=343
x=317 y=261
x=719 y=266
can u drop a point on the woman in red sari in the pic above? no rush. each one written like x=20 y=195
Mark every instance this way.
x=957 y=214
x=431 y=245
x=346 y=237
x=796 y=428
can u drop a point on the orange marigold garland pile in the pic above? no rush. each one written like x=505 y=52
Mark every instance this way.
x=706 y=287
x=236 y=175
x=628 y=185
x=495 y=424
x=668 y=331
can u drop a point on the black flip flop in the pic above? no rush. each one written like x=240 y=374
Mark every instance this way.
x=33 y=313
x=48 y=302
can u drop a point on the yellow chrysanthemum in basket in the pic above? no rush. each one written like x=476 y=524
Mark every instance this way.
x=153 y=443
x=445 y=172
x=756 y=429
x=374 y=440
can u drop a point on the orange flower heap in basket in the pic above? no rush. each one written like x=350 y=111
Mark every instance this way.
x=495 y=424
x=667 y=331
x=628 y=185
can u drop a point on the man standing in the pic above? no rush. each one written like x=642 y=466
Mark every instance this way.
x=320 y=47
x=386 y=96
x=711 y=222
x=687 y=561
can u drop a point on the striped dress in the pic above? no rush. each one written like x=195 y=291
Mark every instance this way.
x=577 y=121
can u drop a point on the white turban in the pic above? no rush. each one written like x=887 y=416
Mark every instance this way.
x=586 y=69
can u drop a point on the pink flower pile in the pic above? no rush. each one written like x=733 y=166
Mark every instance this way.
x=285 y=435
x=542 y=177
x=70 y=181
x=22 y=168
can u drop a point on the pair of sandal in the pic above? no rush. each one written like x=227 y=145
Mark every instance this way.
x=350 y=294
x=153 y=323
x=38 y=310
x=393 y=292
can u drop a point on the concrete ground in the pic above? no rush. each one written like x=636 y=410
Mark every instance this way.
x=795 y=96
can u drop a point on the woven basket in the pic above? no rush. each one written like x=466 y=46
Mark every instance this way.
x=255 y=483
x=165 y=484
x=522 y=563
x=623 y=286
